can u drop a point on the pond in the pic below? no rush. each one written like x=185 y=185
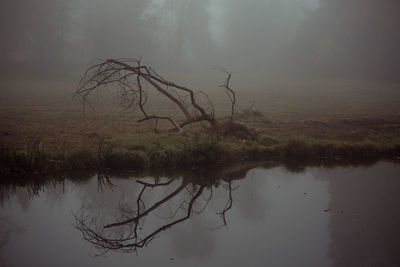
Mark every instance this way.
x=239 y=216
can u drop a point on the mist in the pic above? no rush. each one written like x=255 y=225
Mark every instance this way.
x=259 y=41
x=186 y=130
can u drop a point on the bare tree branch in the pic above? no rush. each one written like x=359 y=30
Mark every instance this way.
x=130 y=76
x=231 y=94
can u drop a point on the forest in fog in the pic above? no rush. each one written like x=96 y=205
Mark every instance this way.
x=257 y=40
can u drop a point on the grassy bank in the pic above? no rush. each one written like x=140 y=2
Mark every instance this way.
x=45 y=139
x=152 y=151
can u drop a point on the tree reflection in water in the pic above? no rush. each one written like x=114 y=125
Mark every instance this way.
x=128 y=233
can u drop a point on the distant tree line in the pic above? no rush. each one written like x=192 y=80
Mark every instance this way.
x=352 y=38
x=338 y=38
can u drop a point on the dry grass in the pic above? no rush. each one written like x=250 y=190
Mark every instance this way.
x=67 y=127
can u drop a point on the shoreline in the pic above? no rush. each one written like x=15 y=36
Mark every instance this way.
x=152 y=152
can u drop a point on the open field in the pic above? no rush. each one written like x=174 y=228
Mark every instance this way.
x=350 y=112
x=330 y=122
x=56 y=127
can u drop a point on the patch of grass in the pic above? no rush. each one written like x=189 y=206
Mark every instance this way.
x=80 y=158
x=203 y=149
x=296 y=148
x=173 y=150
x=167 y=155
x=268 y=140
x=33 y=159
x=127 y=159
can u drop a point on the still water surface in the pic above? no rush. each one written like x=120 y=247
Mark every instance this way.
x=343 y=216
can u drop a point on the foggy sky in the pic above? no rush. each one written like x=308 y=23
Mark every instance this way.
x=257 y=40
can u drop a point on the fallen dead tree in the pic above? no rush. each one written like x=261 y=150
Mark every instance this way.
x=133 y=81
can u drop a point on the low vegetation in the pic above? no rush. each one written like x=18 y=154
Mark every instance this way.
x=152 y=151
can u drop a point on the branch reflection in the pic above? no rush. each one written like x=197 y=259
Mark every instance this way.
x=129 y=232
